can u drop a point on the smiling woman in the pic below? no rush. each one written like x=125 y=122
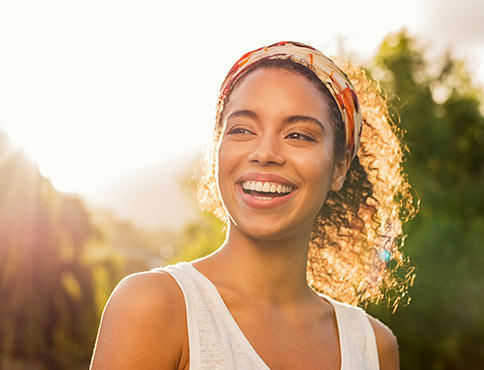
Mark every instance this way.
x=312 y=204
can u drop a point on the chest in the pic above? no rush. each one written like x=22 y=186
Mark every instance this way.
x=305 y=341
x=270 y=341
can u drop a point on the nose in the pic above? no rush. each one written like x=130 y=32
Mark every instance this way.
x=266 y=151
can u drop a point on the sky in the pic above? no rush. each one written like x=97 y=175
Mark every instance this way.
x=93 y=90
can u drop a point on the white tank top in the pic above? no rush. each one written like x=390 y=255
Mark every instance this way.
x=216 y=342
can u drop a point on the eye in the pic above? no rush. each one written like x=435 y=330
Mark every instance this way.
x=239 y=131
x=298 y=136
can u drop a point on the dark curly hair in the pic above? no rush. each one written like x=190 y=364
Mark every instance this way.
x=355 y=248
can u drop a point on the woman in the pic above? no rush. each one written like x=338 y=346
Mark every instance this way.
x=312 y=203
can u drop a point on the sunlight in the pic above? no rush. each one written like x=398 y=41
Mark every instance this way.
x=90 y=104
x=18 y=199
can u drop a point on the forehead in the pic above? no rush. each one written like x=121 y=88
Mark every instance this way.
x=277 y=89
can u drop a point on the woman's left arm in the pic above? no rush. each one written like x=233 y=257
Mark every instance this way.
x=387 y=345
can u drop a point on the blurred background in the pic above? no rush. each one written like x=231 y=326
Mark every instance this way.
x=105 y=108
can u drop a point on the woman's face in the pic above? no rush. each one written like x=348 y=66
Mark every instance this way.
x=276 y=160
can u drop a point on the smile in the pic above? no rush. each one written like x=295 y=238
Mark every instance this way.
x=265 y=190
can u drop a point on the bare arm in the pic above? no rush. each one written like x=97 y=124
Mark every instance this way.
x=387 y=346
x=143 y=325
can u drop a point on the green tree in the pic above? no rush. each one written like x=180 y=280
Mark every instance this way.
x=200 y=238
x=439 y=108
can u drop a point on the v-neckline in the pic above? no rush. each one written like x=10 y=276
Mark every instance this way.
x=229 y=318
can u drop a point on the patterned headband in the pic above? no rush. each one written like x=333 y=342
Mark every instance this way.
x=327 y=71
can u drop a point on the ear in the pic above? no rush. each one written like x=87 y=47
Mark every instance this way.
x=340 y=169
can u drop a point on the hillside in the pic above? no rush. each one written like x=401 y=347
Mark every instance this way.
x=154 y=197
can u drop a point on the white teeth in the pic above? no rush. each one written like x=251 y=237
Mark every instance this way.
x=266 y=187
x=263 y=198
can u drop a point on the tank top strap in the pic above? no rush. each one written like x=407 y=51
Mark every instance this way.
x=190 y=294
x=358 y=342
x=215 y=340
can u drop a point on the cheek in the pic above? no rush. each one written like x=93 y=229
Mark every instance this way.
x=230 y=155
x=318 y=173
x=222 y=160
x=225 y=160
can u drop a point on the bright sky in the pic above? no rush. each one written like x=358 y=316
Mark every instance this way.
x=95 y=89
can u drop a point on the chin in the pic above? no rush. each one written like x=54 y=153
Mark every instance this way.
x=270 y=231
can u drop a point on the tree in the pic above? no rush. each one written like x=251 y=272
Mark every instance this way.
x=47 y=294
x=439 y=108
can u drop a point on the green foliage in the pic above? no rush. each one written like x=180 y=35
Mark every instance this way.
x=46 y=292
x=200 y=238
x=439 y=108
x=58 y=264
x=48 y=289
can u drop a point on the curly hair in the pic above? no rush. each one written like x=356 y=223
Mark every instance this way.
x=355 y=247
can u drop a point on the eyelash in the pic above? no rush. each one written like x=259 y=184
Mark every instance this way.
x=300 y=136
x=239 y=130
x=244 y=131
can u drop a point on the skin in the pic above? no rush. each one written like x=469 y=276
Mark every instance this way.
x=275 y=122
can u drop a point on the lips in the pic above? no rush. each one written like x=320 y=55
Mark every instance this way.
x=261 y=190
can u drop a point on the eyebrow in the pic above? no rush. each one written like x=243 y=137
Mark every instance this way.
x=246 y=113
x=301 y=118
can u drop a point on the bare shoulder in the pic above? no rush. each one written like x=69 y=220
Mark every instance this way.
x=143 y=324
x=387 y=345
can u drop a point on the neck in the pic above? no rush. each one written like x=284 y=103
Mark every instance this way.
x=272 y=271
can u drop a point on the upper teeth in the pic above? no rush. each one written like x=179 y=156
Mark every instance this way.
x=266 y=187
